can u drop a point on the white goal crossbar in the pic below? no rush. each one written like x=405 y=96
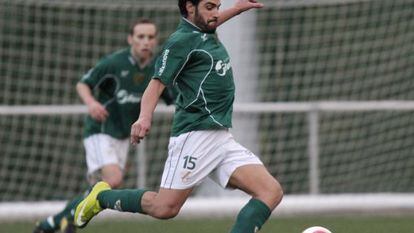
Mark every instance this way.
x=280 y=107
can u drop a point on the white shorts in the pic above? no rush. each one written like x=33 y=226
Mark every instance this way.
x=102 y=150
x=195 y=155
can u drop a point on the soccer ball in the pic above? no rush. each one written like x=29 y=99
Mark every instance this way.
x=317 y=229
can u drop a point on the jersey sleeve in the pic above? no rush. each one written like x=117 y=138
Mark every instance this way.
x=95 y=75
x=175 y=54
x=168 y=95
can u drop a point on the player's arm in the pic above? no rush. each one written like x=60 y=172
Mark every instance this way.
x=96 y=110
x=148 y=103
x=239 y=7
x=167 y=68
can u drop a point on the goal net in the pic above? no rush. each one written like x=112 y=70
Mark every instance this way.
x=324 y=90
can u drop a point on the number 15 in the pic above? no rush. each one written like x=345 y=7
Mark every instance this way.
x=189 y=162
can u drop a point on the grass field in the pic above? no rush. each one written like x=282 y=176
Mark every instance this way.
x=275 y=225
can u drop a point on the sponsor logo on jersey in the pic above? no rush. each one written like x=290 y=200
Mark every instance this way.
x=222 y=67
x=124 y=97
x=164 y=62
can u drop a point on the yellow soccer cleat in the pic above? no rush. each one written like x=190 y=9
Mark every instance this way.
x=89 y=206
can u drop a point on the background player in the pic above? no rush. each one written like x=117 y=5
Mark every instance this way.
x=112 y=92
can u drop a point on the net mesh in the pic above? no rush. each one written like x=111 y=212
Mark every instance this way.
x=307 y=51
x=331 y=50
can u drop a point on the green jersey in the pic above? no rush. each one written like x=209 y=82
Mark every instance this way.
x=118 y=83
x=198 y=66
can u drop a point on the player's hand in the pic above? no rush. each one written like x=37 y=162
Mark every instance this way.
x=97 y=111
x=140 y=129
x=244 y=5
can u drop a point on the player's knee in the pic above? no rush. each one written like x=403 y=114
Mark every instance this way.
x=112 y=174
x=167 y=212
x=271 y=194
x=276 y=193
x=114 y=182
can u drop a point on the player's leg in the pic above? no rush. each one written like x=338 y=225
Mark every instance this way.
x=106 y=158
x=111 y=174
x=60 y=220
x=266 y=194
x=243 y=170
x=256 y=181
x=163 y=205
x=191 y=157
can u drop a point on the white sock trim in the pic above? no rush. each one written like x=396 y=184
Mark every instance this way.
x=51 y=221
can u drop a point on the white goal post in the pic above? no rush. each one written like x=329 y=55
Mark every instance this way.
x=312 y=202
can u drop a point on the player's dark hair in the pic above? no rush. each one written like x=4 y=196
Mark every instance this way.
x=141 y=21
x=182 y=5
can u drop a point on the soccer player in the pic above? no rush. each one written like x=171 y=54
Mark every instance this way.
x=119 y=81
x=197 y=64
x=112 y=91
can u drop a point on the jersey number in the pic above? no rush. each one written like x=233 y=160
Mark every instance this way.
x=189 y=162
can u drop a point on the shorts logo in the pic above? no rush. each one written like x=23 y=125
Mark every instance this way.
x=222 y=68
x=185 y=177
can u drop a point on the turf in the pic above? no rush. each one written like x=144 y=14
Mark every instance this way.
x=275 y=225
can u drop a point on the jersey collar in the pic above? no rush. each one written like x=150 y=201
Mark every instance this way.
x=134 y=60
x=186 y=24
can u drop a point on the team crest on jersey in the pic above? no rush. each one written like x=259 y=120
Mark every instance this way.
x=139 y=78
x=222 y=67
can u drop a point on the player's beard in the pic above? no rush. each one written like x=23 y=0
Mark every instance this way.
x=204 y=26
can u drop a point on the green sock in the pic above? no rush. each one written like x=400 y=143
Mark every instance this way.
x=52 y=223
x=69 y=210
x=251 y=217
x=48 y=225
x=125 y=200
